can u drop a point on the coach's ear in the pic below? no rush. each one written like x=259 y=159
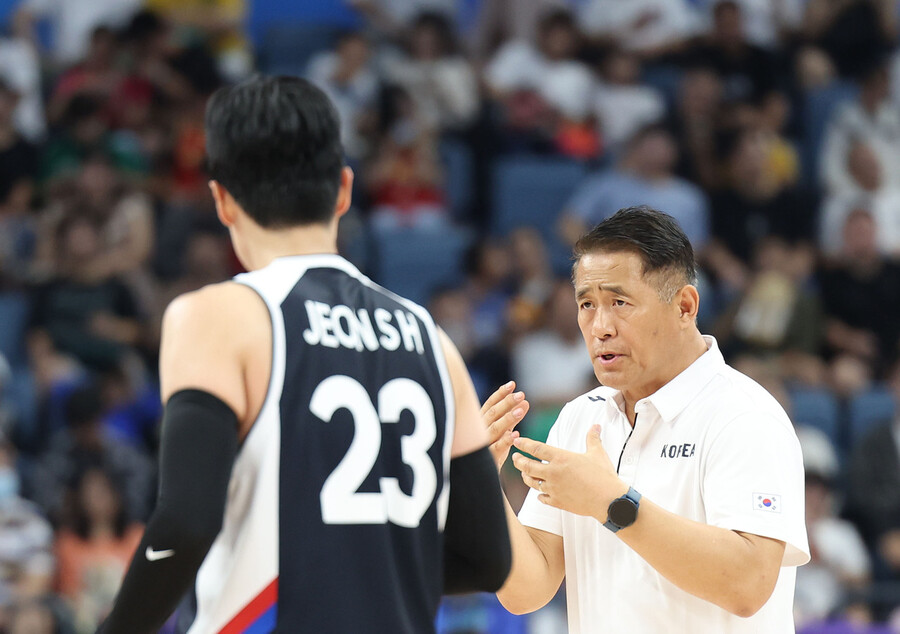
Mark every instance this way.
x=225 y=204
x=345 y=192
x=688 y=302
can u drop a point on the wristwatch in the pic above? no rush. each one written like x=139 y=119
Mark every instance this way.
x=622 y=512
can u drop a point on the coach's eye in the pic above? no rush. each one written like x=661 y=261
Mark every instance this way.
x=619 y=302
x=585 y=305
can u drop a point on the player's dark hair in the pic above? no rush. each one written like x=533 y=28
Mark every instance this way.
x=654 y=236
x=274 y=144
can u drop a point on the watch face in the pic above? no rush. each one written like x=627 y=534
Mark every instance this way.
x=622 y=512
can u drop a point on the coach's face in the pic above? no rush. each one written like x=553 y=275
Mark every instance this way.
x=632 y=335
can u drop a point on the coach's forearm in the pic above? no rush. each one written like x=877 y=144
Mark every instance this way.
x=538 y=567
x=735 y=571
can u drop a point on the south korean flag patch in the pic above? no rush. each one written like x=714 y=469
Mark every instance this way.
x=767 y=502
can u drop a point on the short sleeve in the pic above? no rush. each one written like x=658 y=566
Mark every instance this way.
x=753 y=482
x=534 y=513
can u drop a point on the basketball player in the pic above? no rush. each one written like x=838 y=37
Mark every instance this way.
x=322 y=451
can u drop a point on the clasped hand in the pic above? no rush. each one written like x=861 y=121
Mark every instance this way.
x=581 y=483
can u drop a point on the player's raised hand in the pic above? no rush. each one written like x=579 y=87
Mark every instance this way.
x=500 y=413
x=581 y=483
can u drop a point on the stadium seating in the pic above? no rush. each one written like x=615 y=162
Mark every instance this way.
x=287 y=48
x=531 y=191
x=456 y=159
x=818 y=107
x=13 y=322
x=264 y=14
x=416 y=262
x=870 y=408
x=818 y=408
x=666 y=79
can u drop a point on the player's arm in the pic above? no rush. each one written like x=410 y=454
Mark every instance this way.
x=538 y=557
x=202 y=384
x=476 y=541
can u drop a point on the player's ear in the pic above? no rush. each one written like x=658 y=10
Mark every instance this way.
x=345 y=192
x=222 y=199
x=688 y=301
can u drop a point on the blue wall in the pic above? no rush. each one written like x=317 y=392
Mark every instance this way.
x=264 y=13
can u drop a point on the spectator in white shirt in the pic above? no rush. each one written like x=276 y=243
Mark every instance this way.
x=872 y=119
x=438 y=78
x=623 y=105
x=549 y=69
x=650 y=27
x=73 y=21
x=348 y=78
x=20 y=68
x=509 y=20
x=840 y=563
x=871 y=190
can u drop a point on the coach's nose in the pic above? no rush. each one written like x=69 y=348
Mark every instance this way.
x=603 y=326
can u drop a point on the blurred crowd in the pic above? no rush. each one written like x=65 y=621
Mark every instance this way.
x=486 y=136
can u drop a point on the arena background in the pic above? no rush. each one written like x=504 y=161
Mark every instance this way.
x=485 y=135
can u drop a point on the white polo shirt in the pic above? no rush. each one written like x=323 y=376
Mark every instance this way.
x=711 y=445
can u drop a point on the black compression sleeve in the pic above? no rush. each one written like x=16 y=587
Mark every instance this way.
x=198 y=448
x=477 y=554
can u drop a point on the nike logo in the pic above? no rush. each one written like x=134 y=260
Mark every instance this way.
x=156 y=555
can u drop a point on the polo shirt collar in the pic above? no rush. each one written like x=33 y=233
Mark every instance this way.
x=671 y=399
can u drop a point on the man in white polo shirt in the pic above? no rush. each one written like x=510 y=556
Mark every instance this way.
x=671 y=498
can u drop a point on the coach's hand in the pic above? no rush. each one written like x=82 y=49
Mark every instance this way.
x=501 y=413
x=581 y=483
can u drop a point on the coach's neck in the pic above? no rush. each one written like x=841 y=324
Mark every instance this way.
x=690 y=346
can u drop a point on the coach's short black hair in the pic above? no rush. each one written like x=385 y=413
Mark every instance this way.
x=274 y=144
x=654 y=236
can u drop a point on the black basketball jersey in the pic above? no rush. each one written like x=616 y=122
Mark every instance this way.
x=339 y=494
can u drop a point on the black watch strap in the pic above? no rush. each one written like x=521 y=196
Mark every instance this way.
x=631 y=501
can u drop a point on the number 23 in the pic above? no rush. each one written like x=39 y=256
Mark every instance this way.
x=340 y=500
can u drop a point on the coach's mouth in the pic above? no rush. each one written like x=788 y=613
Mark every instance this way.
x=608 y=358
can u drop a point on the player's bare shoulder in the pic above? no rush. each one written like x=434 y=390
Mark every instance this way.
x=221 y=305
x=217 y=338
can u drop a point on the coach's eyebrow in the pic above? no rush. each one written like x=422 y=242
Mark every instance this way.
x=615 y=290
